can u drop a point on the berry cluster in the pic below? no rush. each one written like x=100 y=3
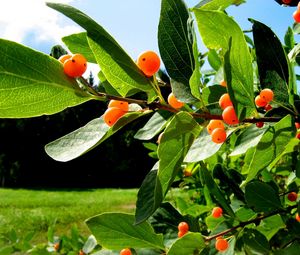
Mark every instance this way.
x=183 y=228
x=217 y=131
x=125 y=251
x=75 y=65
x=228 y=115
x=115 y=110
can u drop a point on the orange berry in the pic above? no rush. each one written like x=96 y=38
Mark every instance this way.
x=217 y=212
x=181 y=234
x=229 y=116
x=297 y=125
x=174 y=102
x=183 y=226
x=225 y=101
x=187 y=173
x=56 y=246
x=213 y=124
x=259 y=124
x=126 y=251
x=223 y=83
x=286 y=1
x=63 y=58
x=297 y=217
x=119 y=104
x=218 y=135
x=267 y=95
x=219 y=237
x=111 y=115
x=221 y=245
x=148 y=62
x=298 y=136
x=260 y=102
x=292 y=196
x=296 y=16
x=81 y=252
x=75 y=66
x=268 y=107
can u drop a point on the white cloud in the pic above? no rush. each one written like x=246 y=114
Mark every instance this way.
x=22 y=18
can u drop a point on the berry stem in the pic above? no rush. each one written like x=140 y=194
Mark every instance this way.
x=256 y=221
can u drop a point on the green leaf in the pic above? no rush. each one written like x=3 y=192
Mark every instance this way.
x=219 y=31
x=33 y=84
x=272 y=144
x=203 y=147
x=182 y=92
x=190 y=243
x=149 y=196
x=174 y=43
x=212 y=94
x=119 y=69
x=245 y=214
x=116 y=231
x=215 y=191
x=214 y=59
x=262 y=197
x=273 y=67
x=289 y=38
x=86 y=138
x=154 y=125
x=175 y=143
x=271 y=225
x=215 y=4
x=250 y=137
x=78 y=43
x=256 y=241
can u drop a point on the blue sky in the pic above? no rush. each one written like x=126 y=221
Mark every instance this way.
x=133 y=23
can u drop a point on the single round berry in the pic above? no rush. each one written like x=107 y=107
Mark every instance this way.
x=260 y=102
x=223 y=83
x=181 y=234
x=268 y=107
x=56 y=246
x=297 y=217
x=183 y=226
x=286 y=1
x=225 y=101
x=126 y=251
x=213 y=124
x=267 y=95
x=148 y=62
x=174 y=102
x=292 y=196
x=63 y=58
x=75 y=66
x=298 y=135
x=218 y=135
x=259 y=124
x=297 y=124
x=111 y=115
x=221 y=245
x=296 y=16
x=119 y=104
x=229 y=116
x=217 y=212
x=187 y=173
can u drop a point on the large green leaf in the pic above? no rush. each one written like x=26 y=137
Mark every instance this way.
x=116 y=231
x=270 y=226
x=250 y=137
x=86 y=138
x=215 y=4
x=149 y=196
x=174 y=41
x=119 y=69
x=272 y=144
x=190 y=243
x=256 y=241
x=262 y=197
x=78 y=43
x=174 y=145
x=154 y=125
x=272 y=62
x=33 y=84
x=212 y=94
x=219 y=31
x=215 y=191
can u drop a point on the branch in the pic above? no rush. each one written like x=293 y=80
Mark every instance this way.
x=166 y=107
x=256 y=221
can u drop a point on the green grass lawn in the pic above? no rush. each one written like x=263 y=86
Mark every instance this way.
x=36 y=210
